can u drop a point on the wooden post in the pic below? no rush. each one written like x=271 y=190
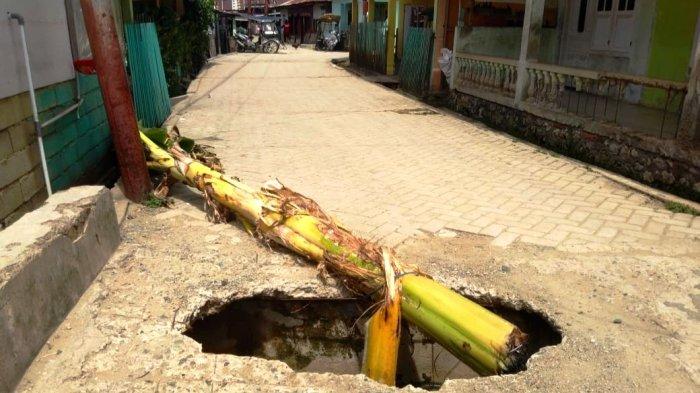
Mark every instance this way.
x=439 y=25
x=127 y=11
x=689 y=127
x=121 y=116
x=355 y=13
x=529 y=44
x=370 y=10
x=390 y=36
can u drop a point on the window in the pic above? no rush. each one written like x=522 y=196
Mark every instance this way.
x=614 y=26
x=582 y=9
x=625 y=5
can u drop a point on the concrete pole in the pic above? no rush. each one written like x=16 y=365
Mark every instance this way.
x=455 y=40
x=529 y=44
x=390 y=36
x=119 y=106
x=439 y=26
x=689 y=127
x=370 y=10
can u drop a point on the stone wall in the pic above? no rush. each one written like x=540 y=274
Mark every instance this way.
x=663 y=164
x=75 y=145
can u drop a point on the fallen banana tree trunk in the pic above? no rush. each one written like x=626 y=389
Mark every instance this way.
x=483 y=340
x=383 y=335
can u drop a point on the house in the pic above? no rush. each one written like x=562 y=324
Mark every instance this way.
x=343 y=8
x=301 y=15
x=228 y=5
x=614 y=81
x=76 y=141
x=392 y=20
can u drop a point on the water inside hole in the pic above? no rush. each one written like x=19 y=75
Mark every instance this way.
x=326 y=335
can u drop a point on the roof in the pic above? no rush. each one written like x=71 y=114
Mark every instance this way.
x=297 y=2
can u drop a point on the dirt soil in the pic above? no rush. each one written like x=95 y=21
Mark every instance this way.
x=629 y=320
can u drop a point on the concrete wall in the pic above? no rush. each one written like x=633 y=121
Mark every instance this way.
x=47 y=260
x=671 y=44
x=74 y=145
x=504 y=42
x=47 y=39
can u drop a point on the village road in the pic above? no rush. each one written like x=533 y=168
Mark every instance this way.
x=390 y=167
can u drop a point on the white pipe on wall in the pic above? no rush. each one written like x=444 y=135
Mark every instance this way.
x=32 y=98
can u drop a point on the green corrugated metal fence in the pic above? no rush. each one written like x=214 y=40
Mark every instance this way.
x=148 y=82
x=414 y=74
x=368 y=46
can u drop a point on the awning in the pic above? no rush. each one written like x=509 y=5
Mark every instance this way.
x=298 y=2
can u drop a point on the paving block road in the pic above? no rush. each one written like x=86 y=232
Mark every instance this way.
x=390 y=167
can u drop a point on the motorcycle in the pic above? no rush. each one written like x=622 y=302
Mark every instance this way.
x=263 y=38
x=328 y=38
x=244 y=43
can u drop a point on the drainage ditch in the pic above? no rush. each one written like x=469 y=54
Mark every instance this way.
x=326 y=335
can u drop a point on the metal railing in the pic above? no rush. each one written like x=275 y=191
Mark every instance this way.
x=639 y=104
x=648 y=105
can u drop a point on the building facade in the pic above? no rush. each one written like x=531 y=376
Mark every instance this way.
x=614 y=81
x=77 y=144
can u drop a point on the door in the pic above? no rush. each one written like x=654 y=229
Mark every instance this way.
x=623 y=28
x=579 y=23
x=603 y=25
x=614 y=27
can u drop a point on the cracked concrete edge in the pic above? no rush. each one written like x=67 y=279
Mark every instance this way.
x=221 y=297
x=48 y=259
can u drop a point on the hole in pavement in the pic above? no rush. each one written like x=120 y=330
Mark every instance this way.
x=326 y=335
x=415 y=111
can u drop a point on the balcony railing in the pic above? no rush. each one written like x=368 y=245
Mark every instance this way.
x=608 y=97
x=495 y=74
x=605 y=98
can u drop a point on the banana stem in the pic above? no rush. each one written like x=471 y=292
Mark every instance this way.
x=478 y=337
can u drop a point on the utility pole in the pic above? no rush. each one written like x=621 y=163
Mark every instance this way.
x=119 y=105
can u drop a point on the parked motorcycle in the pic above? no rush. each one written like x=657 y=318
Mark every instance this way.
x=243 y=42
x=328 y=37
x=262 y=38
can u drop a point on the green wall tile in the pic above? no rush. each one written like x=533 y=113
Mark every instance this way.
x=45 y=98
x=65 y=93
x=73 y=145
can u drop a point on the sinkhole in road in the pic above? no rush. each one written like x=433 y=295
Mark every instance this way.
x=326 y=335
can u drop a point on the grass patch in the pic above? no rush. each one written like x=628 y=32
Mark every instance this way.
x=153 y=201
x=681 y=208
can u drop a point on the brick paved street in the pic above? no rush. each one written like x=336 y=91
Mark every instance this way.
x=390 y=168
